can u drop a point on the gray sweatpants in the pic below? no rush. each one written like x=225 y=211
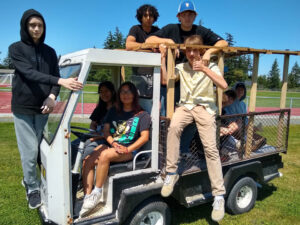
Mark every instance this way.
x=29 y=131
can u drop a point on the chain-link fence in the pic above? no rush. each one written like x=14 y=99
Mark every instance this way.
x=239 y=137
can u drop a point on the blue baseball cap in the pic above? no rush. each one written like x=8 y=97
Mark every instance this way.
x=186 y=6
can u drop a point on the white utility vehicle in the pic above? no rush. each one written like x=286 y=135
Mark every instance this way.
x=132 y=191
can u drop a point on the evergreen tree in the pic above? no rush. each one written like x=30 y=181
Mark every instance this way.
x=274 y=76
x=229 y=39
x=262 y=81
x=236 y=68
x=294 y=77
x=115 y=41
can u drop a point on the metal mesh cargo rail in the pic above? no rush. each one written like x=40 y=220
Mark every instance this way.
x=239 y=137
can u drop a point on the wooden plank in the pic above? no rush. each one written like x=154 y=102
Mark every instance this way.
x=123 y=74
x=170 y=82
x=284 y=81
x=220 y=90
x=254 y=83
x=252 y=105
x=230 y=49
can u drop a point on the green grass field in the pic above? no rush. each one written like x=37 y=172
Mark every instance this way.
x=278 y=202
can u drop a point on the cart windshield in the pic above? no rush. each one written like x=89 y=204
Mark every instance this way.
x=61 y=102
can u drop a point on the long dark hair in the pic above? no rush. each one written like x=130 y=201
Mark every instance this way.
x=101 y=104
x=135 y=104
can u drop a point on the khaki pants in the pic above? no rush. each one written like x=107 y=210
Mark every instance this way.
x=206 y=125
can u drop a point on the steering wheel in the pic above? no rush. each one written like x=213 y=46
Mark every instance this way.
x=83 y=136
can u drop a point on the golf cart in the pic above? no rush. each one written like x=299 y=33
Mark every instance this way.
x=131 y=194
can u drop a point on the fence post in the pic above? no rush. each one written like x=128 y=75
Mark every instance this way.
x=252 y=105
x=281 y=126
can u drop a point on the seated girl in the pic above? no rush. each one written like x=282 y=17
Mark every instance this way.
x=126 y=129
x=107 y=99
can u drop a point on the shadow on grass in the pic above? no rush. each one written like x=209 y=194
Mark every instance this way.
x=181 y=214
x=266 y=191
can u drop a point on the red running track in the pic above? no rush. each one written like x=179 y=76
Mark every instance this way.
x=5 y=106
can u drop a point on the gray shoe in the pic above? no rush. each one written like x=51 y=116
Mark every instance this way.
x=34 y=199
x=218 y=210
x=169 y=183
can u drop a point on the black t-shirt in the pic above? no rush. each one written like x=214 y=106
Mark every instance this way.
x=97 y=115
x=126 y=127
x=139 y=34
x=174 y=32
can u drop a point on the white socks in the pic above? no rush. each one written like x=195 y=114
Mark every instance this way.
x=97 y=190
x=219 y=197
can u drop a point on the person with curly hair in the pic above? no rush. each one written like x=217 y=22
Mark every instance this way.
x=146 y=15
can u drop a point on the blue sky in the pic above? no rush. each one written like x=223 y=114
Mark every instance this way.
x=75 y=25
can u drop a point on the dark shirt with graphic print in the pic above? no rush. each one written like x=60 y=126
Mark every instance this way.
x=126 y=127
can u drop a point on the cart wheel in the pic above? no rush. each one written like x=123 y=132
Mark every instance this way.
x=242 y=196
x=151 y=212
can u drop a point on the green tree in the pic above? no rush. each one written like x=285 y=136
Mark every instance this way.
x=274 y=76
x=294 y=77
x=237 y=67
x=115 y=40
x=229 y=39
x=262 y=81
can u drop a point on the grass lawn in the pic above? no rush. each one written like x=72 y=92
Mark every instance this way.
x=278 y=202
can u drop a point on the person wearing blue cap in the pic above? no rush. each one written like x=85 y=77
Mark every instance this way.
x=177 y=33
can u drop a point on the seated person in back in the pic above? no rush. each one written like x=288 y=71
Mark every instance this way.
x=238 y=107
x=235 y=105
x=230 y=125
x=126 y=129
x=197 y=102
x=146 y=15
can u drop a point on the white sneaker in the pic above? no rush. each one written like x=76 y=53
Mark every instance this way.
x=169 y=183
x=218 y=210
x=90 y=202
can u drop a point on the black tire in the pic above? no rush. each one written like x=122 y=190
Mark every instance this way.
x=242 y=196
x=149 y=211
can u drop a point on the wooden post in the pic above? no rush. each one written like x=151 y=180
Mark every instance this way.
x=282 y=102
x=170 y=83
x=122 y=74
x=252 y=105
x=220 y=90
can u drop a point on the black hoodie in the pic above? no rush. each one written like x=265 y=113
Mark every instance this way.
x=36 y=70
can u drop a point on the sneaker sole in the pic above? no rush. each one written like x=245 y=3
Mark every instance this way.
x=37 y=206
x=92 y=210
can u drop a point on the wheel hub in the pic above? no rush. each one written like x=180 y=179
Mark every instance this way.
x=153 y=218
x=244 y=197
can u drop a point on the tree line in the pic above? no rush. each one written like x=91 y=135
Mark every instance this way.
x=237 y=69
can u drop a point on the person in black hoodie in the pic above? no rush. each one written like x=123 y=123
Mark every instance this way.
x=35 y=86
